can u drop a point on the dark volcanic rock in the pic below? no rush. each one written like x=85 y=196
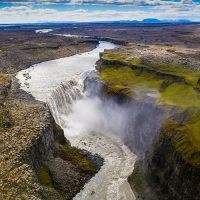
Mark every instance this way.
x=36 y=160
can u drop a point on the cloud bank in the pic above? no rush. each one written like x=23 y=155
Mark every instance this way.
x=73 y=11
x=120 y=2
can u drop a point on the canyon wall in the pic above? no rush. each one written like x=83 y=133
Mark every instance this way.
x=36 y=160
x=169 y=82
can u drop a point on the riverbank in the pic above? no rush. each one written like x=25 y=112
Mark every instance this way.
x=21 y=49
x=166 y=78
x=36 y=160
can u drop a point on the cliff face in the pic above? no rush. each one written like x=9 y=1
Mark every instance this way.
x=36 y=160
x=166 y=168
x=170 y=167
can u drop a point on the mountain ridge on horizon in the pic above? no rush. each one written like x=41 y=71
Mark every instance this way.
x=146 y=20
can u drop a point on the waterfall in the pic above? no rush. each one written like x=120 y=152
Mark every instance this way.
x=61 y=99
x=100 y=124
x=78 y=107
x=82 y=107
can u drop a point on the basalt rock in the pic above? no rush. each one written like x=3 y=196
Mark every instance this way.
x=169 y=169
x=36 y=160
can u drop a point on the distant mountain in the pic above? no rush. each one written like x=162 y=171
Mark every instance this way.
x=177 y=21
x=150 y=20
x=144 y=21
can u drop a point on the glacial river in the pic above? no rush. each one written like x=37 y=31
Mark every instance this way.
x=60 y=83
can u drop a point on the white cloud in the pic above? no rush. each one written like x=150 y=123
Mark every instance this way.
x=122 y=2
x=186 y=1
x=28 y=14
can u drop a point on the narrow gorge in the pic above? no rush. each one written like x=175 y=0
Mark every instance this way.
x=123 y=111
x=77 y=109
x=168 y=134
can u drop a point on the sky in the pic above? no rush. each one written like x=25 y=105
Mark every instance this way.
x=40 y=11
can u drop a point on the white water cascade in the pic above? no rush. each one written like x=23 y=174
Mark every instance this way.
x=62 y=98
x=60 y=84
x=88 y=127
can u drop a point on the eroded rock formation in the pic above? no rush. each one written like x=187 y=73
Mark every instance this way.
x=168 y=78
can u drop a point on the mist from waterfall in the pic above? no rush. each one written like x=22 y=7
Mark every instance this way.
x=135 y=122
x=78 y=106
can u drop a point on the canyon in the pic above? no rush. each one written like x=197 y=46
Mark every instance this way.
x=135 y=118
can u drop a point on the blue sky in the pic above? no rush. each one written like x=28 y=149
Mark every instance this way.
x=96 y=10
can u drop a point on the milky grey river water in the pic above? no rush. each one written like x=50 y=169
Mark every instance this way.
x=110 y=183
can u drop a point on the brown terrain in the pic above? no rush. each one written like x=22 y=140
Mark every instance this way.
x=19 y=50
x=36 y=161
x=166 y=34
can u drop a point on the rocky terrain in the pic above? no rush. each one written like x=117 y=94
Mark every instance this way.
x=21 y=49
x=167 y=34
x=36 y=160
x=168 y=78
x=159 y=65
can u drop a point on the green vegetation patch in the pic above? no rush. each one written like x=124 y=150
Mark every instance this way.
x=137 y=179
x=3 y=79
x=190 y=75
x=44 y=176
x=176 y=86
x=67 y=152
x=74 y=155
x=172 y=91
x=126 y=80
x=114 y=57
x=181 y=95
x=185 y=138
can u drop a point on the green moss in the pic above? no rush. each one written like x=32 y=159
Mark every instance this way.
x=126 y=79
x=76 y=157
x=70 y=153
x=176 y=86
x=137 y=179
x=2 y=122
x=59 y=134
x=5 y=120
x=181 y=95
x=191 y=76
x=172 y=92
x=113 y=57
x=185 y=139
x=22 y=194
x=44 y=176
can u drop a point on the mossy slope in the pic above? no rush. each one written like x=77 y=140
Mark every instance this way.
x=171 y=168
x=66 y=173
x=172 y=85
